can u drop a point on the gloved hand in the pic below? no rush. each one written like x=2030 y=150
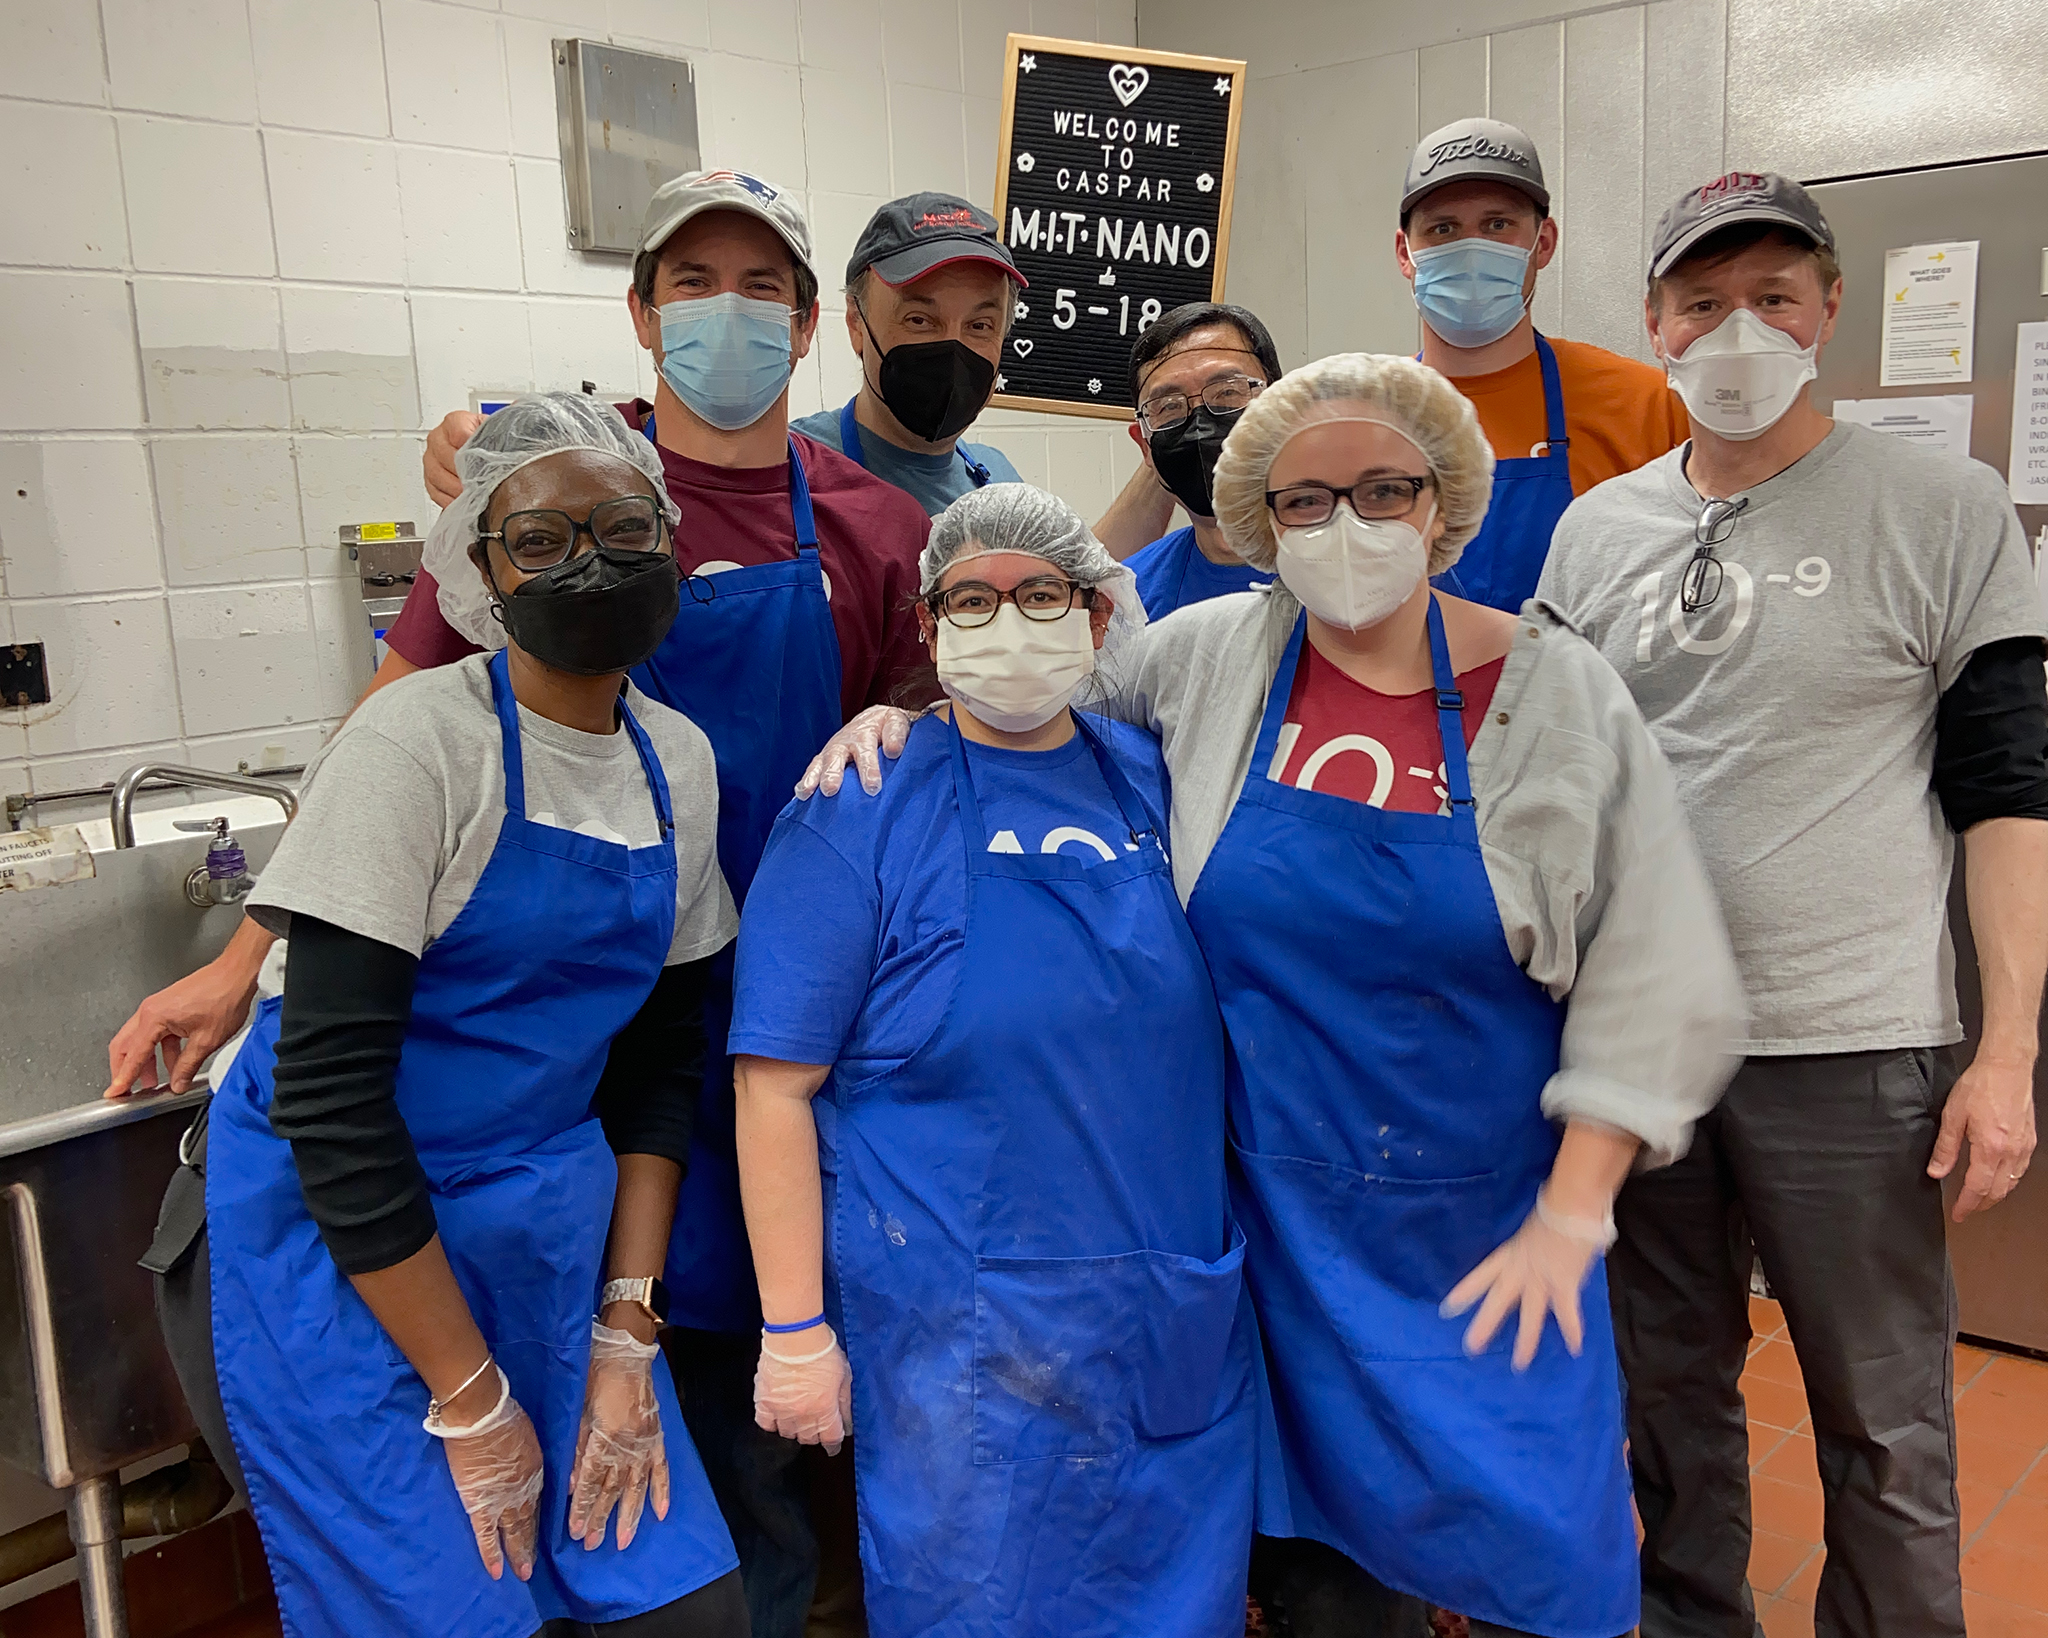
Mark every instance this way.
x=879 y=730
x=808 y=1397
x=1541 y=1269
x=496 y=1465
x=619 y=1452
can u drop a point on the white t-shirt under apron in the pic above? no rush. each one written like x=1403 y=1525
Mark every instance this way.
x=401 y=811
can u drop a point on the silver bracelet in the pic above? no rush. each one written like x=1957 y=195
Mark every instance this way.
x=434 y=1406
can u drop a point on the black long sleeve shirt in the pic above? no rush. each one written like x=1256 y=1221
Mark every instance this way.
x=347 y=1003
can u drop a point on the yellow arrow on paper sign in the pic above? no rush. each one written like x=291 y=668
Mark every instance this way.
x=1939 y=256
x=1899 y=296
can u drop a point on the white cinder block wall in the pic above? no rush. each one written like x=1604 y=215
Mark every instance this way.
x=250 y=249
x=1630 y=105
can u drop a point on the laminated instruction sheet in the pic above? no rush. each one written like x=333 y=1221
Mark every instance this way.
x=1930 y=314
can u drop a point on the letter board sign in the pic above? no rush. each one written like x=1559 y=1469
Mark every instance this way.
x=1114 y=173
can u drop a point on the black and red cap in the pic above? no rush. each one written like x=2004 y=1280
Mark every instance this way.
x=908 y=237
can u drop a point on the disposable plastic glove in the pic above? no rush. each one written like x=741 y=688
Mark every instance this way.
x=808 y=1397
x=496 y=1465
x=620 y=1457
x=1541 y=1269
x=879 y=730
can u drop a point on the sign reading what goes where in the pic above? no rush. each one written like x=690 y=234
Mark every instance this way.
x=1113 y=186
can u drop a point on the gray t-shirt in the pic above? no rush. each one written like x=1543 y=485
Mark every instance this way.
x=401 y=811
x=1798 y=710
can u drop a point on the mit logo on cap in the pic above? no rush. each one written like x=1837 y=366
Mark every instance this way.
x=1740 y=196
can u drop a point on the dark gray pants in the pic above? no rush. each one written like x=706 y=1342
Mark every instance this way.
x=1820 y=1163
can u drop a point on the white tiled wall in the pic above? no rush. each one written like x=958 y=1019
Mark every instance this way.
x=251 y=249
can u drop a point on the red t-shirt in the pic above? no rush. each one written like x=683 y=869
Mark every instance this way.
x=1344 y=739
x=869 y=536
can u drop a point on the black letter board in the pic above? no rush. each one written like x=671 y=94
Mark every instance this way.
x=1113 y=184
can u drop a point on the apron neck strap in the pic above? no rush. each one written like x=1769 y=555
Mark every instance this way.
x=974 y=832
x=1277 y=695
x=1554 y=440
x=508 y=730
x=800 y=512
x=507 y=708
x=650 y=764
x=1450 y=713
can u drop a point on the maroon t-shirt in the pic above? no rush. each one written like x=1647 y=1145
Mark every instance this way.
x=869 y=536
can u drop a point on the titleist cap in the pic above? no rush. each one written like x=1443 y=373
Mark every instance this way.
x=1474 y=150
x=1740 y=196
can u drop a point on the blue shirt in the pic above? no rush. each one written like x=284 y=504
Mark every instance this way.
x=850 y=945
x=933 y=481
x=1172 y=573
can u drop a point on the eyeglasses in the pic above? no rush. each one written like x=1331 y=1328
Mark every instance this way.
x=541 y=539
x=1304 y=505
x=1701 y=583
x=1225 y=394
x=971 y=604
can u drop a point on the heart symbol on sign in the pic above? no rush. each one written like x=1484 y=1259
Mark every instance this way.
x=1128 y=83
x=1023 y=346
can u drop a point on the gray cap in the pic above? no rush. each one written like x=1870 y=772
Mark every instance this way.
x=1740 y=196
x=1474 y=150
x=692 y=193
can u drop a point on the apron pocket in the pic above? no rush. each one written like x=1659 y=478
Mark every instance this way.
x=1084 y=1356
x=1379 y=1254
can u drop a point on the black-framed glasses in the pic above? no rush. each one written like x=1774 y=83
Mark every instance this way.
x=1701 y=583
x=971 y=603
x=1227 y=393
x=1304 y=505
x=539 y=540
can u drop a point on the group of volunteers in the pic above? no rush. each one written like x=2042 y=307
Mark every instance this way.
x=1274 y=1077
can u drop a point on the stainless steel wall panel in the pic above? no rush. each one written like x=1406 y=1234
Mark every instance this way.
x=1603 y=152
x=1357 y=131
x=1268 y=269
x=1839 y=89
x=1527 y=89
x=1685 y=60
x=1453 y=83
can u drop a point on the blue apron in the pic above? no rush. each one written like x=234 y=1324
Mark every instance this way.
x=514 y=1010
x=1035 y=1274
x=1388 y=1060
x=753 y=660
x=849 y=446
x=1501 y=564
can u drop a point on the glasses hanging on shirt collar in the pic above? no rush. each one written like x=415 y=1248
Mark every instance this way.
x=1702 y=581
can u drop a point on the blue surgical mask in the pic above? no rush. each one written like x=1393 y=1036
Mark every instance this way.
x=727 y=357
x=1470 y=292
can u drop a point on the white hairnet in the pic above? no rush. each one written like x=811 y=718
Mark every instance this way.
x=524 y=431
x=1014 y=517
x=1397 y=392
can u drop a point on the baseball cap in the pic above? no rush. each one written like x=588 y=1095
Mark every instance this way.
x=1470 y=150
x=682 y=197
x=908 y=237
x=1740 y=196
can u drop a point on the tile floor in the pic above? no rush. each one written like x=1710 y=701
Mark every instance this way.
x=2002 y=1460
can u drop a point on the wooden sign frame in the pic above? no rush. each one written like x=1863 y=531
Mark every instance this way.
x=1015 y=47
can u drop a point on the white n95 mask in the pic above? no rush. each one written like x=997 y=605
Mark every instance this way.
x=1016 y=674
x=1353 y=571
x=1738 y=380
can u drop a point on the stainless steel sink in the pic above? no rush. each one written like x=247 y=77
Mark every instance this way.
x=86 y=1386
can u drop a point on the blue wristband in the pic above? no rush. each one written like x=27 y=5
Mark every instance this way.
x=784 y=1330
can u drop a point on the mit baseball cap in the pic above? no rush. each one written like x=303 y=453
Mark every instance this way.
x=908 y=237
x=1474 y=150
x=1740 y=196
x=694 y=192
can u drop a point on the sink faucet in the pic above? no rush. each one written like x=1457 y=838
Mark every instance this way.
x=120 y=810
